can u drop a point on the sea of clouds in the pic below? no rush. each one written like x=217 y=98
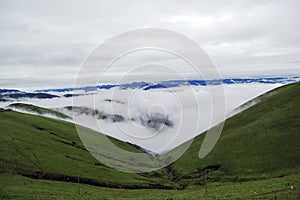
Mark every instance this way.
x=158 y=119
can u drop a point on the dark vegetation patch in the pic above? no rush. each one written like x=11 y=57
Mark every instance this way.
x=4 y=110
x=72 y=144
x=156 y=121
x=40 y=128
x=75 y=179
x=95 y=113
x=113 y=101
x=28 y=95
x=212 y=167
x=72 y=95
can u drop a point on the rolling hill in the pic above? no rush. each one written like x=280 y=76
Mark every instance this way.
x=260 y=142
x=257 y=156
x=39 y=147
x=37 y=110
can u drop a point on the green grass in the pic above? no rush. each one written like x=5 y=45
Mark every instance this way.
x=257 y=157
x=18 y=187
x=37 y=110
x=260 y=142
x=32 y=145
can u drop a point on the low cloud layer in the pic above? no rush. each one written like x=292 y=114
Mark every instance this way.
x=158 y=119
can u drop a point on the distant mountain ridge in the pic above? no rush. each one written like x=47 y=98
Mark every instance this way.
x=10 y=91
x=176 y=83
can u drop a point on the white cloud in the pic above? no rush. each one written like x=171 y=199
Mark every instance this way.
x=185 y=107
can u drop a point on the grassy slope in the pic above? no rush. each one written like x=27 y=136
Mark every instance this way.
x=262 y=141
x=37 y=110
x=18 y=187
x=32 y=144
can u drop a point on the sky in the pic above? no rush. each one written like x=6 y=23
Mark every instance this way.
x=43 y=44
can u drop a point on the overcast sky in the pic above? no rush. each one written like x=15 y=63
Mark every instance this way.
x=44 y=43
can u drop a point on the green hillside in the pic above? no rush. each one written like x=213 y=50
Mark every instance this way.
x=37 y=110
x=260 y=142
x=256 y=157
x=18 y=187
x=40 y=147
